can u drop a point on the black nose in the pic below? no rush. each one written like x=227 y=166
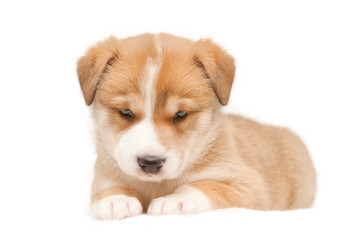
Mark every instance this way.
x=151 y=164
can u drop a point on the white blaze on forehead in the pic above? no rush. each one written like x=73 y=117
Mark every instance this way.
x=158 y=45
x=151 y=72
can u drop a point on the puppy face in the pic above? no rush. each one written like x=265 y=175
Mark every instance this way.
x=156 y=100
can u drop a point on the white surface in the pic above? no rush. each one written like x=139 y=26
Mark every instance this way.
x=297 y=66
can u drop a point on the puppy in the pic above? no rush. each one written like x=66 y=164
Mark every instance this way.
x=163 y=145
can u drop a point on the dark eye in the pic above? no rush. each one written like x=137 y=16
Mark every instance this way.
x=127 y=114
x=179 y=116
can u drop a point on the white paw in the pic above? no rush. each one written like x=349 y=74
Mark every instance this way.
x=171 y=205
x=116 y=207
x=184 y=200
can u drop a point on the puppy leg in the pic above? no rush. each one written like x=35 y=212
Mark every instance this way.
x=205 y=195
x=116 y=203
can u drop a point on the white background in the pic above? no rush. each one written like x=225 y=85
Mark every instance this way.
x=298 y=65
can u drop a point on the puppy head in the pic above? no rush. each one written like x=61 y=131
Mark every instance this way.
x=156 y=100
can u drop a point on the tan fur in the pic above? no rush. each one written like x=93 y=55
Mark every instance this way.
x=235 y=161
x=115 y=191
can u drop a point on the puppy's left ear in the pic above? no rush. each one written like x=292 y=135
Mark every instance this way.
x=217 y=65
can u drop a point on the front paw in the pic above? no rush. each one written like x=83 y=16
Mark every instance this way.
x=184 y=200
x=116 y=207
x=171 y=205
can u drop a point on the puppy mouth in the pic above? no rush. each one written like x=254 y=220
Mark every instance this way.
x=151 y=177
x=157 y=176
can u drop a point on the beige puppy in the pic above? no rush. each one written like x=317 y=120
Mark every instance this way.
x=163 y=145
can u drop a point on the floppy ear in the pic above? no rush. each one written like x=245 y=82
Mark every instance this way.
x=217 y=65
x=91 y=66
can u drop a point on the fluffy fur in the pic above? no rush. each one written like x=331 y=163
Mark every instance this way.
x=212 y=160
